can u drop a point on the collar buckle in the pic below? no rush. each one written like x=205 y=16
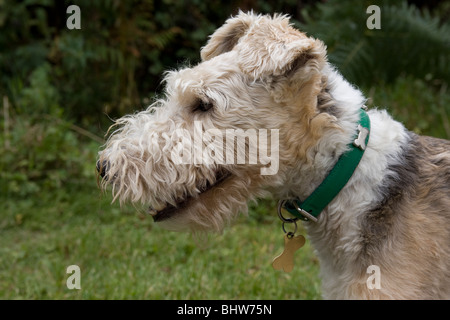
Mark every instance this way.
x=306 y=215
x=292 y=205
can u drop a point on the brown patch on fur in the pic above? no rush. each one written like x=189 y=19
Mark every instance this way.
x=325 y=101
x=407 y=235
x=311 y=124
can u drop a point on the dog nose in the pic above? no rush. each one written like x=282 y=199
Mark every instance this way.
x=102 y=167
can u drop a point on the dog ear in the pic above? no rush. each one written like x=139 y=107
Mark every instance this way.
x=273 y=47
x=226 y=37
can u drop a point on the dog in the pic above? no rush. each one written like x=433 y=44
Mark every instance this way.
x=261 y=78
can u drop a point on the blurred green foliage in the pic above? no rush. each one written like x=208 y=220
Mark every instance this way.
x=59 y=88
x=114 y=63
x=410 y=42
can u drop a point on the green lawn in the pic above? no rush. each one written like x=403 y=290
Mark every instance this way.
x=122 y=254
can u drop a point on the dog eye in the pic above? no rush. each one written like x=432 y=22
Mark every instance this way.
x=203 y=106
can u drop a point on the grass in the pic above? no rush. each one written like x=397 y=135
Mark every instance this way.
x=122 y=254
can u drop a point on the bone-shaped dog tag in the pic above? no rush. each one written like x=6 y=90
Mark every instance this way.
x=285 y=261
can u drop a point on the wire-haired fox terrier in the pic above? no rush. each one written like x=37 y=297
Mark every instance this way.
x=265 y=112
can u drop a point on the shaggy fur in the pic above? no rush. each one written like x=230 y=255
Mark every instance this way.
x=259 y=72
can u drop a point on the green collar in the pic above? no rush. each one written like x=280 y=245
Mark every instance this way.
x=338 y=177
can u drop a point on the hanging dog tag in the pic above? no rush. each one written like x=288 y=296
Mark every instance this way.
x=285 y=261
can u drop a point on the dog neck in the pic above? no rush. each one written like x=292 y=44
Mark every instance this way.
x=341 y=216
x=343 y=103
x=310 y=208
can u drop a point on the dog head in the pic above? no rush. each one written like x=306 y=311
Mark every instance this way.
x=259 y=82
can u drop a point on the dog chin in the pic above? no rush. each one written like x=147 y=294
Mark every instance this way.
x=179 y=222
x=193 y=218
x=184 y=215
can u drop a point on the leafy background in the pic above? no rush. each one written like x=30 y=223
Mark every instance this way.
x=60 y=88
